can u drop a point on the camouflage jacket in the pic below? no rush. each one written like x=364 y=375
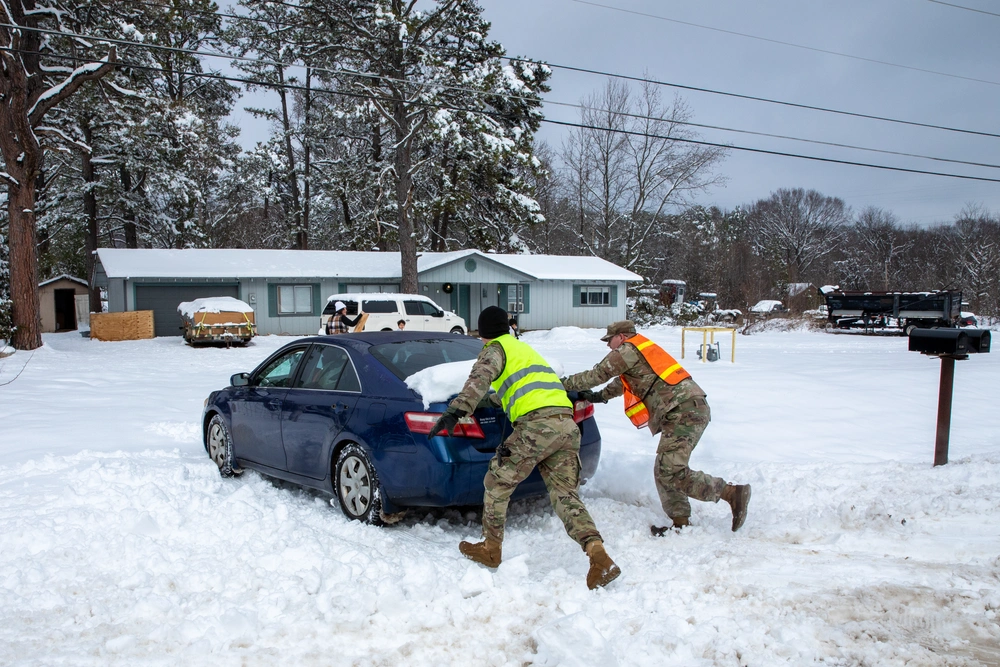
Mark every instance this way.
x=660 y=398
x=488 y=367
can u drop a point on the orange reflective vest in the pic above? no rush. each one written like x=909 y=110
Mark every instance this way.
x=665 y=367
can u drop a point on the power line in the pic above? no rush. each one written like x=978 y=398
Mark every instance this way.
x=555 y=122
x=557 y=103
x=624 y=77
x=968 y=9
x=784 y=43
x=770 y=152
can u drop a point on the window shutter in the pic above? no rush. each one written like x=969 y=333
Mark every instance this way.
x=272 y=300
x=341 y=288
x=614 y=295
x=527 y=300
x=317 y=308
x=502 y=296
x=576 y=296
x=454 y=300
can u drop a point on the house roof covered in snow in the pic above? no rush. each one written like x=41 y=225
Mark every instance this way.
x=64 y=276
x=238 y=263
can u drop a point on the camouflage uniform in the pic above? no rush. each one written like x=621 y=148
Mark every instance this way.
x=547 y=438
x=679 y=413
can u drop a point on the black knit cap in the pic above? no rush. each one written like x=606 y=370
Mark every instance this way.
x=493 y=323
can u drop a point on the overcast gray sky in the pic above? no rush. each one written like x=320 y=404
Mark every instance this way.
x=625 y=37
x=915 y=33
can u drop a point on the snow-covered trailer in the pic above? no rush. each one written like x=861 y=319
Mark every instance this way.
x=903 y=310
x=220 y=319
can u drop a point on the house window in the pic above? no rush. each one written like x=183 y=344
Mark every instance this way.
x=295 y=299
x=595 y=295
x=515 y=299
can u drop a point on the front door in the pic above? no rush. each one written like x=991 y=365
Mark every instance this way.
x=317 y=409
x=463 y=303
x=65 y=309
x=256 y=411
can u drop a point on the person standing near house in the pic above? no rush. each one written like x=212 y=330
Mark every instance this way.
x=340 y=322
x=512 y=323
x=660 y=394
x=545 y=436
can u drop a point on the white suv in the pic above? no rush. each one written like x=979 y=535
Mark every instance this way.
x=385 y=310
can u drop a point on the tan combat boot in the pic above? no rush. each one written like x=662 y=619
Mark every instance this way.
x=738 y=497
x=602 y=569
x=487 y=552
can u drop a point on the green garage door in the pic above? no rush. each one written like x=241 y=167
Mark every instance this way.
x=164 y=299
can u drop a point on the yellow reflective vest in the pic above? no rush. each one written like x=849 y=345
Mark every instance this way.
x=527 y=383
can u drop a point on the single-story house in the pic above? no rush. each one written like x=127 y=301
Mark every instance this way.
x=288 y=288
x=63 y=303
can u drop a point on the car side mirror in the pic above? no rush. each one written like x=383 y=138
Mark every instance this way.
x=240 y=380
x=438 y=313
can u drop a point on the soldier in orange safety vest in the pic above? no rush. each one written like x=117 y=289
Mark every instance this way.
x=661 y=395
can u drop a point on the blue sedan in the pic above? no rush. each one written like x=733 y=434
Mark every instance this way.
x=333 y=413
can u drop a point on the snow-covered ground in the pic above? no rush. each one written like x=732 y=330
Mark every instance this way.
x=121 y=545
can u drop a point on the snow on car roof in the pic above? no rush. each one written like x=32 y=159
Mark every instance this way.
x=213 y=304
x=764 y=305
x=375 y=296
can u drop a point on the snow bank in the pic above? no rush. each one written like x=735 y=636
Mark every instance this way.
x=121 y=545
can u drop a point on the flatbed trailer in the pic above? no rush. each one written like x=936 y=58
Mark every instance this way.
x=904 y=311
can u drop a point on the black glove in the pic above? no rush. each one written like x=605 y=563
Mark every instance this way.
x=592 y=396
x=447 y=421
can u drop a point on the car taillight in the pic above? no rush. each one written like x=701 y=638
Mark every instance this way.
x=582 y=410
x=422 y=422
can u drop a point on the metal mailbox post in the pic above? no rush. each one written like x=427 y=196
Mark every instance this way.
x=949 y=345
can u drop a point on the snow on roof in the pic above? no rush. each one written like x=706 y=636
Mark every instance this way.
x=376 y=296
x=765 y=306
x=213 y=304
x=64 y=276
x=673 y=282
x=794 y=289
x=238 y=263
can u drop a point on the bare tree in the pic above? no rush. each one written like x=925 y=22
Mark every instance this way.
x=796 y=228
x=29 y=88
x=874 y=249
x=628 y=169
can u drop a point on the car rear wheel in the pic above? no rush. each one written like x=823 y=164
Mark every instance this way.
x=220 y=447
x=356 y=484
x=457 y=330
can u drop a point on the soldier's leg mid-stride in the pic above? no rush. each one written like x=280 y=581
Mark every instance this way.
x=676 y=482
x=553 y=445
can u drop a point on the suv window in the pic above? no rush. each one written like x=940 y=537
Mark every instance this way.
x=381 y=306
x=420 y=308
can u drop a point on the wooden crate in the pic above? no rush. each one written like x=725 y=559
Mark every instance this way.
x=133 y=325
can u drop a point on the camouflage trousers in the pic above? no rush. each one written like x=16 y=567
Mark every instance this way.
x=675 y=481
x=552 y=444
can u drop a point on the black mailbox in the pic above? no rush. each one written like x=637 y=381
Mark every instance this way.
x=940 y=341
x=979 y=340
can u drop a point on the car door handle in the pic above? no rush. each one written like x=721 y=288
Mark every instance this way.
x=274 y=403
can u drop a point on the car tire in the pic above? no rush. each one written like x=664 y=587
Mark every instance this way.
x=219 y=444
x=457 y=330
x=387 y=329
x=356 y=485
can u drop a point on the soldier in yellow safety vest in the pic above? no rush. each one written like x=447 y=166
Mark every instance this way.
x=545 y=436
x=660 y=394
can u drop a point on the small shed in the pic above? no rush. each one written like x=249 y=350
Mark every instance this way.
x=64 y=302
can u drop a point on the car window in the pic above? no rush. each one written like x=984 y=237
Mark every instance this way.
x=331 y=308
x=380 y=306
x=280 y=371
x=428 y=308
x=414 y=307
x=404 y=358
x=324 y=368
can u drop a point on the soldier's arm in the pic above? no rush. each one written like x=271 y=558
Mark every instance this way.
x=489 y=364
x=614 y=389
x=610 y=366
